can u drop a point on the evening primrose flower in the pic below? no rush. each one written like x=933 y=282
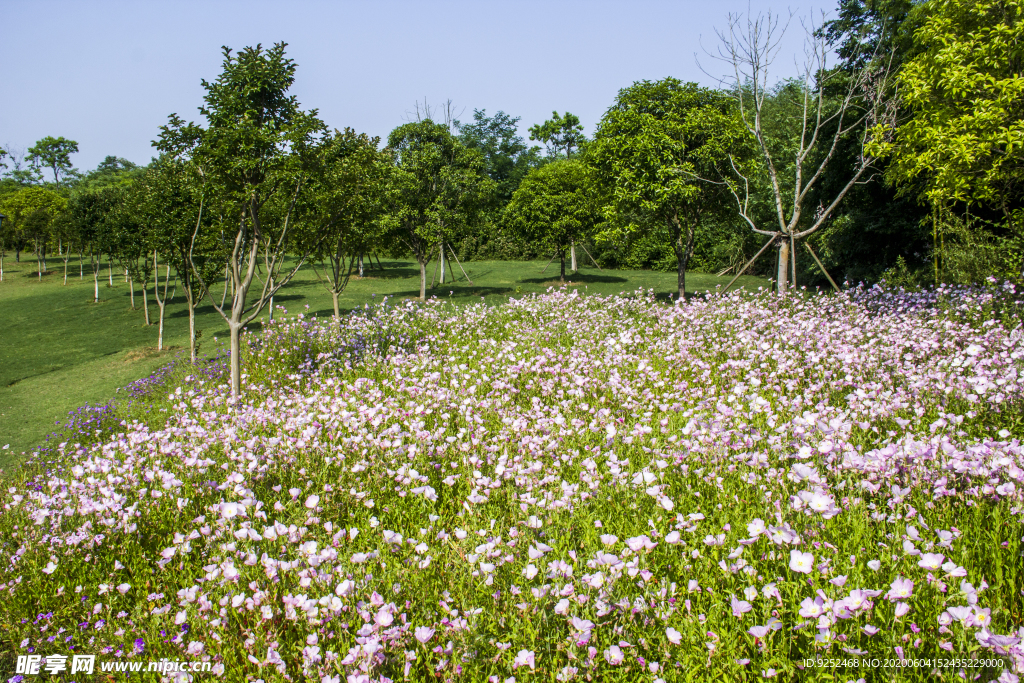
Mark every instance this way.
x=799 y=562
x=524 y=658
x=931 y=561
x=739 y=607
x=901 y=589
x=312 y=502
x=614 y=655
x=424 y=633
x=674 y=636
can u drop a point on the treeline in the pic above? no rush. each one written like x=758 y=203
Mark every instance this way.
x=902 y=161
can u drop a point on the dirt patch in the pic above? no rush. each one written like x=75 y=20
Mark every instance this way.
x=145 y=352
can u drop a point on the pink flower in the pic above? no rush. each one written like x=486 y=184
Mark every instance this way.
x=802 y=563
x=674 y=636
x=931 y=561
x=524 y=658
x=739 y=607
x=614 y=656
x=902 y=609
x=901 y=589
x=424 y=633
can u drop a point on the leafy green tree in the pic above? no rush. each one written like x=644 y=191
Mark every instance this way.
x=31 y=211
x=438 y=186
x=54 y=154
x=507 y=158
x=89 y=218
x=128 y=235
x=111 y=171
x=347 y=204
x=651 y=150
x=555 y=205
x=559 y=132
x=964 y=144
x=256 y=153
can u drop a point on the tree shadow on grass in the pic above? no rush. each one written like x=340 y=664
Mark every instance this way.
x=575 y=278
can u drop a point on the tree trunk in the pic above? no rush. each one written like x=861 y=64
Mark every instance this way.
x=783 y=272
x=110 y=273
x=236 y=365
x=360 y=266
x=95 y=263
x=65 y=272
x=337 y=310
x=271 y=280
x=191 y=325
x=131 y=287
x=572 y=250
x=145 y=304
x=81 y=265
x=224 y=296
x=423 y=280
x=561 y=258
x=442 y=263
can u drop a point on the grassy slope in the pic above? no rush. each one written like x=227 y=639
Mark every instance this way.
x=59 y=350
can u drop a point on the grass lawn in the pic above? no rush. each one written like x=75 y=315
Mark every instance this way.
x=59 y=350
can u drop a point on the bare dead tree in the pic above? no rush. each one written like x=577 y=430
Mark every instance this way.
x=837 y=105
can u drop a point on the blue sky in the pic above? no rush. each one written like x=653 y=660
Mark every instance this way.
x=108 y=74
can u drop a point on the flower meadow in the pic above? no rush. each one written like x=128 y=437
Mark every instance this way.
x=565 y=487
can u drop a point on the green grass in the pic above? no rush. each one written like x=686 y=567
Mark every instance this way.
x=59 y=350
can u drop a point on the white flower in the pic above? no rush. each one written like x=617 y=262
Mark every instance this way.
x=801 y=563
x=312 y=501
x=674 y=636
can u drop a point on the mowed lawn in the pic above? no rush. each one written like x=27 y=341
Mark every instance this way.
x=59 y=350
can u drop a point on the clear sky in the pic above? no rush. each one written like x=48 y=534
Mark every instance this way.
x=108 y=74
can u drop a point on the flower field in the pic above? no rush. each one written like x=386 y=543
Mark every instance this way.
x=562 y=488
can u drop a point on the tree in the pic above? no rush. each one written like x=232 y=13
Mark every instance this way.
x=507 y=159
x=256 y=155
x=346 y=207
x=651 y=149
x=555 y=205
x=31 y=211
x=559 y=132
x=89 y=217
x=129 y=235
x=54 y=154
x=829 y=108
x=438 y=186
x=964 y=143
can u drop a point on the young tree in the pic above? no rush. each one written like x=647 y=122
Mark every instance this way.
x=555 y=205
x=256 y=155
x=832 y=108
x=183 y=233
x=345 y=208
x=438 y=186
x=89 y=214
x=54 y=154
x=650 y=149
x=558 y=133
x=129 y=236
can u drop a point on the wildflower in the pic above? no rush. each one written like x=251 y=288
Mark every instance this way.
x=800 y=562
x=524 y=658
